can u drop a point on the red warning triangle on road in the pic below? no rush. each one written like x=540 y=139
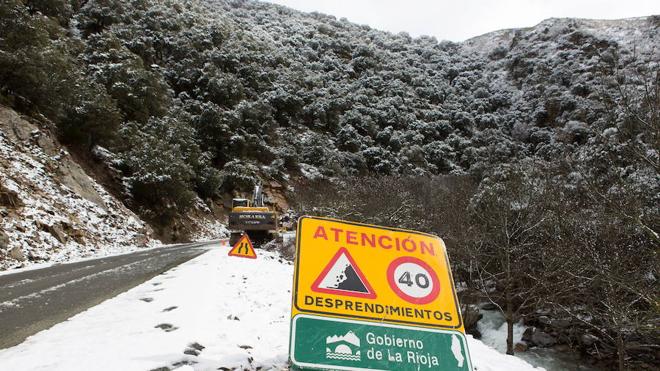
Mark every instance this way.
x=343 y=277
x=243 y=248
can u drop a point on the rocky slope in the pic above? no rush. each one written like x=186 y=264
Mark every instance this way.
x=50 y=209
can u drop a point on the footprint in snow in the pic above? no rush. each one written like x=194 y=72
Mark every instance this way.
x=197 y=346
x=194 y=349
x=176 y=365
x=147 y=300
x=167 y=327
x=185 y=362
x=169 y=309
x=191 y=352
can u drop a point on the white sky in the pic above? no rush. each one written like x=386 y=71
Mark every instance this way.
x=457 y=20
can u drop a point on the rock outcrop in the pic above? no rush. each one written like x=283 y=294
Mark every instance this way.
x=50 y=209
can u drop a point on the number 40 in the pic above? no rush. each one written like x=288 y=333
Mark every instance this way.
x=420 y=279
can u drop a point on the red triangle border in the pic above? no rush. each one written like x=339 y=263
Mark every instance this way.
x=315 y=286
x=250 y=246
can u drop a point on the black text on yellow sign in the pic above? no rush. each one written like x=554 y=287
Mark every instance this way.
x=354 y=270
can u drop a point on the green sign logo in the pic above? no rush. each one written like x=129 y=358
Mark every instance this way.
x=345 y=347
x=323 y=343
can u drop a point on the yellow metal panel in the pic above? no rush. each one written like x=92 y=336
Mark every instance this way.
x=239 y=209
x=395 y=276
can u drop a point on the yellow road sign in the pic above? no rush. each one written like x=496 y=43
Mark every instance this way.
x=346 y=269
x=243 y=248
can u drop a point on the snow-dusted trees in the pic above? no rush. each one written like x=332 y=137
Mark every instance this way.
x=166 y=166
x=160 y=176
x=610 y=275
x=388 y=102
x=97 y=15
x=513 y=263
x=140 y=93
x=314 y=73
x=39 y=74
x=62 y=10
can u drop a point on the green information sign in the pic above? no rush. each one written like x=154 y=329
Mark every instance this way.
x=323 y=343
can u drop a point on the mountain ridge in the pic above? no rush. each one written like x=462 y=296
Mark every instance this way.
x=627 y=30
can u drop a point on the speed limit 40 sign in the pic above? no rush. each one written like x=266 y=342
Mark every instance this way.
x=369 y=286
x=413 y=280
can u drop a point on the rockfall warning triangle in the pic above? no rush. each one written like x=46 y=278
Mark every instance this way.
x=343 y=277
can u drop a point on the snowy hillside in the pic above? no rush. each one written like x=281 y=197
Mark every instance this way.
x=197 y=98
x=213 y=312
x=50 y=209
x=627 y=32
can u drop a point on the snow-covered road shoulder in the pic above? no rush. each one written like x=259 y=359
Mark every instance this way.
x=212 y=312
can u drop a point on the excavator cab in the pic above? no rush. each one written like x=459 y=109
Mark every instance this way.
x=239 y=202
x=252 y=218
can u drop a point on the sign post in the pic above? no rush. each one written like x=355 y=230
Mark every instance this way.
x=373 y=298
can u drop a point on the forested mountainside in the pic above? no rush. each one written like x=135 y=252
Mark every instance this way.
x=197 y=96
x=533 y=152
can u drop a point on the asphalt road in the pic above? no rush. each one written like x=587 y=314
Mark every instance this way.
x=35 y=300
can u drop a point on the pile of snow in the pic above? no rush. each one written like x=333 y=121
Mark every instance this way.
x=213 y=312
x=492 y=327
x=485 y=358
x=53 y=222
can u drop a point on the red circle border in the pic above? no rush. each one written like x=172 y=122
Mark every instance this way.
x=411 y=299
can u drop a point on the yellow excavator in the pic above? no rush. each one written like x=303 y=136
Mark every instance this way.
x=253 y=218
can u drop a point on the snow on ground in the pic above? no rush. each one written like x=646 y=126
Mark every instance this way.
x=485 y=358
x=493 y=334
x=214 y=311
x=493 y=330
x=54 y=222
